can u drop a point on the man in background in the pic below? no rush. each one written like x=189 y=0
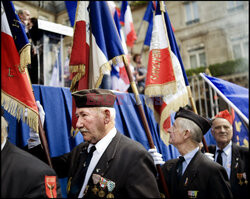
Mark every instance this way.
x=234 y=158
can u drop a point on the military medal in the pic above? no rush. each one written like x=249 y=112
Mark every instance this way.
x=111 y=186
x=192 y=194
x=239 y=176
x=96 y=178
x=186 y=181
x=101 y=193
x=103 y=184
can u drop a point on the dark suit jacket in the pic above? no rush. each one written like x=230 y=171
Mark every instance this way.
x=125 y=162
x=202 y=178
x=23 y=175
x=239 y=165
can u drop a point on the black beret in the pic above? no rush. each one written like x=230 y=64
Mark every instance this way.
x=94 y=98
x=202 y=122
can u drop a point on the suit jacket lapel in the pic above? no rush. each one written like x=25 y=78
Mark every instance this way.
x=235 y=161
x=191 y=171
x=104 y=162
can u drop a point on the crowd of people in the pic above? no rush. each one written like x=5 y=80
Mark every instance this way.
x=108 y=164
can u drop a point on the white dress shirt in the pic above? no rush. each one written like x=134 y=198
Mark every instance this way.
x=226 y=157
x=100 y=148
x=3 y=144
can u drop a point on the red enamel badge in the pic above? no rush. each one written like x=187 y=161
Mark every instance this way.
x=50 y=186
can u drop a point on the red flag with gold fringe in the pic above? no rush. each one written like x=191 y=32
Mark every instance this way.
x=16 y=91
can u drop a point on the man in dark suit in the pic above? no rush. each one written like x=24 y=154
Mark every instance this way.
x=117 y=167
x=22 y=174
x=193 y=175
x=234 y=158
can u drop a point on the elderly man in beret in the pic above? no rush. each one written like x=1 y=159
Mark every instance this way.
x=107 y=164
x=193 y=174
x=234 y=158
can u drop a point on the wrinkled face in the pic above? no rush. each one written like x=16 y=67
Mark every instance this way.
x=222 y=130
x=90 y=122
x=176 y=133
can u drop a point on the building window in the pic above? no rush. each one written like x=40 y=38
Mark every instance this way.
x=240 y=49
x=192 y=14
x=197 y=58
x=234 y=5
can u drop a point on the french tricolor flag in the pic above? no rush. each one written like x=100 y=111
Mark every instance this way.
x=165 y=81
x=16 y=91
x=96 y=45
x=126 y=21
x=119 y=77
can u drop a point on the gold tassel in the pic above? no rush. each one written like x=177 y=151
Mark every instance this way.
x=17 y=110
x=80 y=70
x=161 y=89
x=24 y=57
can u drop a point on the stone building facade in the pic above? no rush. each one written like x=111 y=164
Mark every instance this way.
x=207 y=32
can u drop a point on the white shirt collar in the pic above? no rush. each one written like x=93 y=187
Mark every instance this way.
x=190 y=155
x=104 y=142
x=227 y=149
x=3 y=144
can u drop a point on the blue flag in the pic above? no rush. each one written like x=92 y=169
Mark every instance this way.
x=71 y=8
x=234 y=95
x=148 y=16
x=241 y=133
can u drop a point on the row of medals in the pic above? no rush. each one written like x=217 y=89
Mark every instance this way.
x=103 y=184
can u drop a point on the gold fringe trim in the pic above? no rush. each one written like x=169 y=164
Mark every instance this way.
x=172 y=106
x=80 y=70
x=107 y=66
x=104 y=67
x=161 y=89
x=25 y=58
x=17 y=110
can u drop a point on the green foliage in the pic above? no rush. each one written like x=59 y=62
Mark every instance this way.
x=225 y=68
x=135 y=4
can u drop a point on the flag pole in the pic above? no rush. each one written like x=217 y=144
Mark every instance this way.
x=40 y=129
x=145 y=123
x=162 y=8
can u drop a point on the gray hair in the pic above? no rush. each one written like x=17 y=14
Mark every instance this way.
x=111 y=110
x=195 y=130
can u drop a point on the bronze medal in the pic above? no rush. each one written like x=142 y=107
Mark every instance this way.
x=110 y=195
x=239 y=176
x=95 y=190
x=101 y=193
